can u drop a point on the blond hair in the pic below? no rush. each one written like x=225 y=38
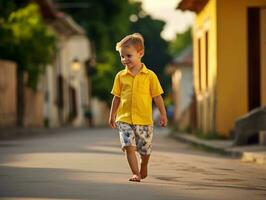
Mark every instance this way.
x=134 y=39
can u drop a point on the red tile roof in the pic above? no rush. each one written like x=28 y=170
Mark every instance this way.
x=192 y=5
x=47 y=8
x=62 y=22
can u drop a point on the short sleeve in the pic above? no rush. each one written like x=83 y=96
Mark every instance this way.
x=155 y=86
x=116 y=91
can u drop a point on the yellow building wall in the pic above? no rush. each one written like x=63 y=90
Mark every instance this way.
x=226 y=97
x=205 y=22
x=232 y=82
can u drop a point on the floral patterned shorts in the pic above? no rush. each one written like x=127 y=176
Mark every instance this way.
x=136 y=135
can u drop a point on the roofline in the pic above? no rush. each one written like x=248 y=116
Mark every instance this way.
x=47 y=9
x=61 y=21
x=192 y=5
x=69 y=23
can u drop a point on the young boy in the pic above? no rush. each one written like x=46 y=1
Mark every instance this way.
x=131 y=110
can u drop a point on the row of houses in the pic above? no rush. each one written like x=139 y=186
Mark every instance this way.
x=229 y=64
x=63 y=96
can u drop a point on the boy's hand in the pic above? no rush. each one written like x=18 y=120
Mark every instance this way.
x=114 y=107
x=163 y=121
x=112 y=122
x=159 y=103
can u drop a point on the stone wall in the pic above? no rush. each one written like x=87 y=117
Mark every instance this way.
x=8 y=94
x=100 y=112
x=33 y=116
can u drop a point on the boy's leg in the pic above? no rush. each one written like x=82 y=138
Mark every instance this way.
x=127 y=138
x=144 y=166
x=133 y=163
x=144 y=145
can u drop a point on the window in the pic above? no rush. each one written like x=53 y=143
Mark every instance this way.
x=199 y=62
x=206 y=59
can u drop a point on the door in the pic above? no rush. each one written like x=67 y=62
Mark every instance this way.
x=263 y=55
x=254 y=58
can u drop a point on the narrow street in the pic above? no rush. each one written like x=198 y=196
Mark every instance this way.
x=88 y=164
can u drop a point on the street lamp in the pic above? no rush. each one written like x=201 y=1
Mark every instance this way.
x=75 y=65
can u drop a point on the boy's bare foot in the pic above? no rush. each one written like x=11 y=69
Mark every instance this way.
x=143 y=171
x=135 y=178
x=144 y=166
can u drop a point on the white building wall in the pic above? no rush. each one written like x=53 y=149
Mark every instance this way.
x=74 y=47
x=78 y=47
x=50 y=90
x=186 y=88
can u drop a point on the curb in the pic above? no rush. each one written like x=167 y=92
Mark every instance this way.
x=246 y=154
x=208 y=146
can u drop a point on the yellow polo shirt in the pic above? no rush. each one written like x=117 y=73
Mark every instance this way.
x=136 y=93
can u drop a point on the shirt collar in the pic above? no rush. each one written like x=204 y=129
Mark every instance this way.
x=143 y=70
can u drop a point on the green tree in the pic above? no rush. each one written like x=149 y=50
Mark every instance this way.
x=7 y=7
x=105 y=22
x=181 y=41
x=26 y=40
x=156 y=48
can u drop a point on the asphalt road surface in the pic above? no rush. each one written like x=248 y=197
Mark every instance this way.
x=89 y=164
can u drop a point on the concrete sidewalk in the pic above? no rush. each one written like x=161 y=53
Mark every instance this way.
x=250 y=153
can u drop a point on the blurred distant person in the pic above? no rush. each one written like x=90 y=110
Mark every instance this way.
x=156 y=115
x=131 y=110
x=170 y=113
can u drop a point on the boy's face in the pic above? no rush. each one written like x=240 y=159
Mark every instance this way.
x=130 y=57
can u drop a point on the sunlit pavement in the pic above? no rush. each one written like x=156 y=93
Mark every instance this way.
x=88 y=164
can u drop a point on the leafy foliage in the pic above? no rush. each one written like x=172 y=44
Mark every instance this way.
x=156 y=49
x=7 y=7
x=107 y=22
x=182 y=41
x=27 y=40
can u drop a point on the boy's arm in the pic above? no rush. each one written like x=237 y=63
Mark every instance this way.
x=114 y=107
x=160 y=105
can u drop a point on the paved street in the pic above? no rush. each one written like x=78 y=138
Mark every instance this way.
x=88 y=164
